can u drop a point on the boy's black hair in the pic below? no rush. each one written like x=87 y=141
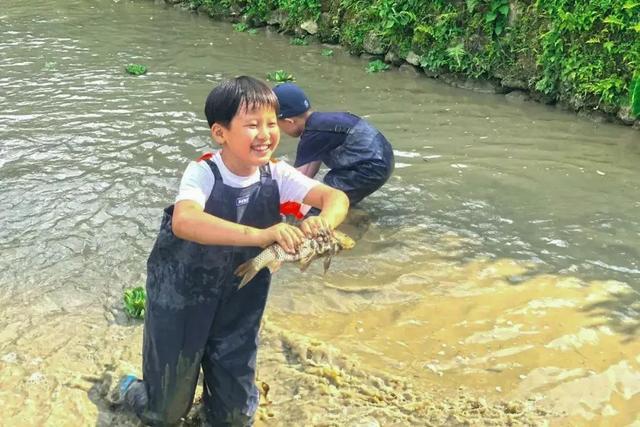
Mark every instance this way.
x=241 y=92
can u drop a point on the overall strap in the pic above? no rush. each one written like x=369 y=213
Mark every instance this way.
x=265 y=173
x=217 y=192
x=266 y=187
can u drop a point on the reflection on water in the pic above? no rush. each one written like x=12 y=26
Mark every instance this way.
x=501 y=256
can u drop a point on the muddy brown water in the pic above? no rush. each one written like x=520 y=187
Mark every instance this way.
x=495 y=279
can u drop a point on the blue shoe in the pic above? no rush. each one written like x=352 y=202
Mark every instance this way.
x=123 y=387
x=132 y=393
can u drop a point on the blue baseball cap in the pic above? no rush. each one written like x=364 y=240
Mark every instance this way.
x=292 y=100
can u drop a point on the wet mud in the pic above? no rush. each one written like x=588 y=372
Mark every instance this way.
x=476 y=343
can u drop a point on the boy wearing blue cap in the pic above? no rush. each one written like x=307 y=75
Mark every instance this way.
x=359 y=157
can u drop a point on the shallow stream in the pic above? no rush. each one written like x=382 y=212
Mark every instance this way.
x=495 y=278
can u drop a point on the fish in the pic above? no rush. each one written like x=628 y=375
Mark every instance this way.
x=322 y=246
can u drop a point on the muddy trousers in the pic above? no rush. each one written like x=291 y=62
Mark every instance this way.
x=218 y=332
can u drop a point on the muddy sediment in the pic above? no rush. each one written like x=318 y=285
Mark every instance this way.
x=62 y=369
x=312 y=383
x=345 y=369
x=443 y=342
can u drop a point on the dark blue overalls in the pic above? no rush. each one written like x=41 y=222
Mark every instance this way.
x=195 y=315
x=361 y=164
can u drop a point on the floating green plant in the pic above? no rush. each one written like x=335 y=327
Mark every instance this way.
x=376 y=66
x=252 y=31
x=280 y=76
x=136 y=69
x=326 y=52
x=299 y=41
x=49 y=66
x=240 y=27
x=134 y=301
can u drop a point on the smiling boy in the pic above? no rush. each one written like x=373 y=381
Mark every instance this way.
x=227 y=208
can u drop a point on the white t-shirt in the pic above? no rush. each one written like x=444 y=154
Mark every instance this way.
x=197 y=181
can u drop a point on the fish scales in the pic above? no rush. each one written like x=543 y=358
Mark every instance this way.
x=311 y=248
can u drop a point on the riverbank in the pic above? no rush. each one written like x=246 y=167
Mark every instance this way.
x=583 y=58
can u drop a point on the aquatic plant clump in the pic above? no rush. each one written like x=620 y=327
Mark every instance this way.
x=326 y=52
x=136 y=69
x=134 y=302
x=240 y=27
x=298 y=41
x=49 y=66
x=280 y=76
x=376 y=66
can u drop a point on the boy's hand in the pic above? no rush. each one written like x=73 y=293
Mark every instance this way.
x=287 y=236
x=316 y=226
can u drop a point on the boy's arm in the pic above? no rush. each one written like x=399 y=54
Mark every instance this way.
x=310 y=169
x=190 y=222
x=333 y=204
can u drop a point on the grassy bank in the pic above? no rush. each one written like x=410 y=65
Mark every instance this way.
x=582 y=54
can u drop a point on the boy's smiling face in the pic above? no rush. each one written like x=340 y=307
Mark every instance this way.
x=249 y=141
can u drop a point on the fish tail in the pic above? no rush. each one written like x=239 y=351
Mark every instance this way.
x=247 y=270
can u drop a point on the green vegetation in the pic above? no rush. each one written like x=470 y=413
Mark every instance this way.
x=298 y=41
x=497 y=15
x=376 y=66
x=240 y=27
x=135 y=69
x=582 y=53
x=49 y=66
x=590 y=51
x=280 y=76
x=326 y=52
x=134 y=301
x=634 y=92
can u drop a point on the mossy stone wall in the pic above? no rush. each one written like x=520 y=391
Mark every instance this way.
x=584 y=54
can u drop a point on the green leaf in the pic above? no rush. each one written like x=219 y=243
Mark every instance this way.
x=490 y=17
x=135 y=69
x=457 y=52
x=240 y=27
x=377 y=66
x=298 y=41
x=280 y=76
x=49 y=66
x=613 y=20
x=134 y=302
x=634 y=95
x=504 y=10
